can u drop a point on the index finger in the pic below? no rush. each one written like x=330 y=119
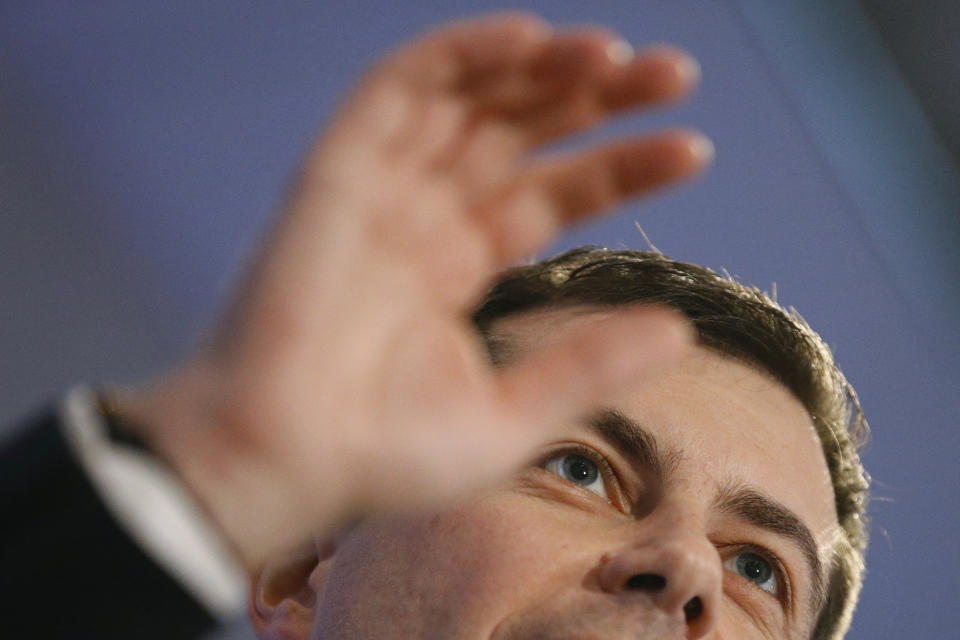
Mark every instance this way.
x=513 y=67
x=455 y=54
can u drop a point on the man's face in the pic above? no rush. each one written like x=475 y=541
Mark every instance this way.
x=698 y=506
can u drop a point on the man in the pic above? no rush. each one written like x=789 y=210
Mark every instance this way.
x=697 y=505
x=669 y=488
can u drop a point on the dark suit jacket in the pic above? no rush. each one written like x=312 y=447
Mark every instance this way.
x=67 y=570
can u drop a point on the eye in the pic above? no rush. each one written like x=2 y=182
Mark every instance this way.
x=757 y=569
x=580 y=470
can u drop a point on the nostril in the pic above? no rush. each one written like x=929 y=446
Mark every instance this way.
x=647 y=582
x=693 y=609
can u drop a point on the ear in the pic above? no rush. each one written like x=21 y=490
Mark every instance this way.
x=283 y=593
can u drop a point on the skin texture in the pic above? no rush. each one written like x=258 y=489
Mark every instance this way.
x=345 y=380
x=542 y=557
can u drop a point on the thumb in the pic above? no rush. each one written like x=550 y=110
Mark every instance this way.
x=588 y=360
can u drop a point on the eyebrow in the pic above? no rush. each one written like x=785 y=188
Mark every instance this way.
x=635 y=443
x=641 y=448
x=763 y=512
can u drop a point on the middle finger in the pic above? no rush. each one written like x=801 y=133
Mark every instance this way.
x=659 y=75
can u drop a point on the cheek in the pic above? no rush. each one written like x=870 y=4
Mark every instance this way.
x=483 y=561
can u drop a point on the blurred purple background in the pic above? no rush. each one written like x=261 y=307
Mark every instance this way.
x=144 y=146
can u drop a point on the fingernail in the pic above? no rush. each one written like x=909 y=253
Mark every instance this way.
x=676 y=333
x=688 y=69
x=619 y=52
x=701 y=148
x=668 y=336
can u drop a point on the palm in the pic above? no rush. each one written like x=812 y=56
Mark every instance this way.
x=352 y=336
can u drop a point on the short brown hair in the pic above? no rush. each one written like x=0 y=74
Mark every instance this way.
x=738 y=321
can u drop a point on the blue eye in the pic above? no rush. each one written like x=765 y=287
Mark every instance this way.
x=579 y=470
x=755 y=568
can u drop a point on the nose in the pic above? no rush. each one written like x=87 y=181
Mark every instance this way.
x=680 y=573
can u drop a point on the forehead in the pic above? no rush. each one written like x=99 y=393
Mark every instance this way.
x=729 y=421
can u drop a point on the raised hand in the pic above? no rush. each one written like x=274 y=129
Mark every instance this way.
x=346 y=378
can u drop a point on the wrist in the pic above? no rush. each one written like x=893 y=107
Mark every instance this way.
x=187 y=420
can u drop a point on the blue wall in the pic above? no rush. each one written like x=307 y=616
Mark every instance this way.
x=143 y=147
